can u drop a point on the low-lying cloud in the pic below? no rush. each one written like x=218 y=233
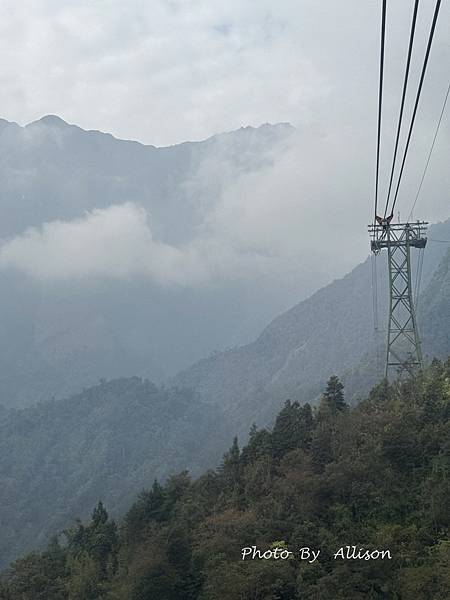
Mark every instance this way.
x=117 y=242
x=254 y=223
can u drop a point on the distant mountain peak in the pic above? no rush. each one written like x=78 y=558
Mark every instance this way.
x=267 y=125
x=50 y=121
x=54 y=122
x=246 y=131
x=285 y=126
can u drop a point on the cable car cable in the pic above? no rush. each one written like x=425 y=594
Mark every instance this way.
x=416 y=103
x=380 y=100
x=430 y=152
x=402 y=104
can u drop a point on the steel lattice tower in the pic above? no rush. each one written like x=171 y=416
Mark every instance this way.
x=404 y=353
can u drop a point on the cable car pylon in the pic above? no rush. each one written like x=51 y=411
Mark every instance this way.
x=404 y=354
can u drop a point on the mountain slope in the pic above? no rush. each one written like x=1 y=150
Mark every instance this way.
x=330 y=332
x=364 y=489
x=434 y=310
x=58 y=458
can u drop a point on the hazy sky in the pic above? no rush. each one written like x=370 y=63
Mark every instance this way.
x=166 y=71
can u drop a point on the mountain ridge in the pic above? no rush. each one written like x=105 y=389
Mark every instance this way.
x=52 y=120
x=59 y=457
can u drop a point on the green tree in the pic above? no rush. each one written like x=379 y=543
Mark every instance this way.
x=292 y=429
x=150 y=506
x=333 y=397
x=230 y=469
x=85 y=582
x=259 y=445
x=33 y=578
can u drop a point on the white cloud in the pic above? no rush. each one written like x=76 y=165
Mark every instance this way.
x=254 y=224
x=116 y=243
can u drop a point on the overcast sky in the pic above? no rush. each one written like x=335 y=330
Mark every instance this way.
x=166 y=71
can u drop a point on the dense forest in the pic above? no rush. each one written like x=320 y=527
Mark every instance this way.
x=58 y=457
x=374 y=476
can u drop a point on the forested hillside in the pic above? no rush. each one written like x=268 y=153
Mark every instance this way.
x=375 y=476
x=332 y=330
x=58 y=458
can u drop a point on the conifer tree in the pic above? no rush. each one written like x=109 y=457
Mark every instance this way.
x=333 y=397
x=292 y=428
x=231 y=467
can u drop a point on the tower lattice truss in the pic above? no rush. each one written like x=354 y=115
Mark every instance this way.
x=404 y=354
